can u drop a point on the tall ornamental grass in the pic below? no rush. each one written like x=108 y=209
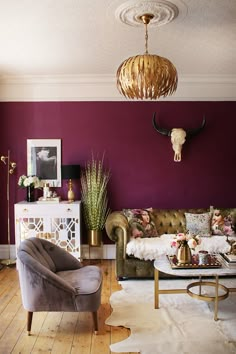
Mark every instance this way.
x=94 y=180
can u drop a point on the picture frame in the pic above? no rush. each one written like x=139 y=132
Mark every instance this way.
x=44 y=160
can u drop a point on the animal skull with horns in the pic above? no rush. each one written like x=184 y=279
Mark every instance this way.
x=178 y=136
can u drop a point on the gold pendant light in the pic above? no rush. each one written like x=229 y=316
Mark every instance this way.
x=146 y=77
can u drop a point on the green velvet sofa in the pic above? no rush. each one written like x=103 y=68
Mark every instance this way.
x=167 y=221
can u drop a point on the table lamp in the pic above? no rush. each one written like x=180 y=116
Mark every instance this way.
x=70 y=172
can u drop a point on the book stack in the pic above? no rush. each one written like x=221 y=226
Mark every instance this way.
x=53 y=200
x=229 y=260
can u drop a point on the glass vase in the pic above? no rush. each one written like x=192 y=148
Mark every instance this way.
x=30 y=194
x=184 y=254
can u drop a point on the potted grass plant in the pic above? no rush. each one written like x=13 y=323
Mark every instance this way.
x=94 y=180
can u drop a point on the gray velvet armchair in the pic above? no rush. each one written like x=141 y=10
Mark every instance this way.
x=51 y=279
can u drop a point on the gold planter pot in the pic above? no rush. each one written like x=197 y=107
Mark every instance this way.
x=95 y=238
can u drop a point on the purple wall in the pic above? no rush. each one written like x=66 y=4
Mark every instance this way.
x=141 y=160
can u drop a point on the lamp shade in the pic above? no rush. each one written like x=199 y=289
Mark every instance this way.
x=147 y=77
x=70 y=171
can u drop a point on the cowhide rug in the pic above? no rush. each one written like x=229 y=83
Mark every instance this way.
x=182 y=324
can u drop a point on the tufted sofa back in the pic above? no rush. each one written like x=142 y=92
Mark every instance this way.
x=171 y=221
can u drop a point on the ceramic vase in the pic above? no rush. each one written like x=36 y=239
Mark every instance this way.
x=184 y=254
x=30 y=194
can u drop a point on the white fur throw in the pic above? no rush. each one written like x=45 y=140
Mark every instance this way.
x=152 y=248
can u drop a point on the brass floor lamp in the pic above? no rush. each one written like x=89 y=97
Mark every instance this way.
x=10 y=170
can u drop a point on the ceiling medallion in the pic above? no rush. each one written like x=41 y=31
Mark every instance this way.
x=163 y=12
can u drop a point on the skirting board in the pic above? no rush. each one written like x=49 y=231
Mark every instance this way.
x=103 y=252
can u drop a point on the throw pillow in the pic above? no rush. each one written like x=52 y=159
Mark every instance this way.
x=199 y=224
x=140 y=222
x=224 y=222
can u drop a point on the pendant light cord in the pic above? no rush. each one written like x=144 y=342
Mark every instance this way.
x=146 y=39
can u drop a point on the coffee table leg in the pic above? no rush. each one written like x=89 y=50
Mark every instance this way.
x=216 y=298
x=156 y=290
x=200 y=286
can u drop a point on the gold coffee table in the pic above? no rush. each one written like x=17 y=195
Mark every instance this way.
x=163 y=265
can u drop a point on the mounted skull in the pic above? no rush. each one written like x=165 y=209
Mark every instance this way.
x=178 y=136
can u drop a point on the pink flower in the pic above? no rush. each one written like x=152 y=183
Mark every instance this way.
x=181 y=237
x=188 y=238
x=228 y=230
x=174 y=243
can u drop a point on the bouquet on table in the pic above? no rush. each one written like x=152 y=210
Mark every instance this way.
x=186 y=239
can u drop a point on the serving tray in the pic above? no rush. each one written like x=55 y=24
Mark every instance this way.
x=212 y=262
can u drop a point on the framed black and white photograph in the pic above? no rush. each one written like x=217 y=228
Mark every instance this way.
x=44 y=160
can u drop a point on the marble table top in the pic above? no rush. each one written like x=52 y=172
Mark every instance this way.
x=163 y=265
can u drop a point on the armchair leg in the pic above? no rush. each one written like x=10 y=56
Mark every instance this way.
x=95 y=321
x=29 y=321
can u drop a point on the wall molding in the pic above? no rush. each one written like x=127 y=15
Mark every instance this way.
x=103 y=88
x=104 y=252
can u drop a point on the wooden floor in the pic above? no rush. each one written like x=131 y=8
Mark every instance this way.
x=56 y=332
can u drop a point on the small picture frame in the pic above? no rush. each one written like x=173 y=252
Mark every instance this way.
x=44 y=160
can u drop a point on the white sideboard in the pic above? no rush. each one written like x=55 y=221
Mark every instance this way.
x=59 y=223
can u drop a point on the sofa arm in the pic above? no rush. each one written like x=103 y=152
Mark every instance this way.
x=117 y=228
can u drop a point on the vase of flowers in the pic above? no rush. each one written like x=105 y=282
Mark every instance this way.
x=184 y=242
x=30 y=183
x=184 y=255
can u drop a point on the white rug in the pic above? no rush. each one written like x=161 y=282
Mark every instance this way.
x=182 y=324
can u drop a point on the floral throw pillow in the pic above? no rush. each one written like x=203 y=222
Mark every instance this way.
x=199 y=224
x=140 y=222
x=224 y=222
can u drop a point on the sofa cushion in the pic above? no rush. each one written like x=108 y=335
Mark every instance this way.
x=199 y=224
x=223 y=222
x=140 y=222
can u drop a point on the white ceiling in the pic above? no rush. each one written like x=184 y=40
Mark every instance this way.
x=85 y=39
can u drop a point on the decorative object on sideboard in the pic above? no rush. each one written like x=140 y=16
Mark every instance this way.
x=44 y=160
x=147 y=76
x=70 y=172
x=49 y=196
x=11 y=165
x=30 y=197
x=30 y=183
x=178 y=136
x=46 y=191
x=94 y=180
